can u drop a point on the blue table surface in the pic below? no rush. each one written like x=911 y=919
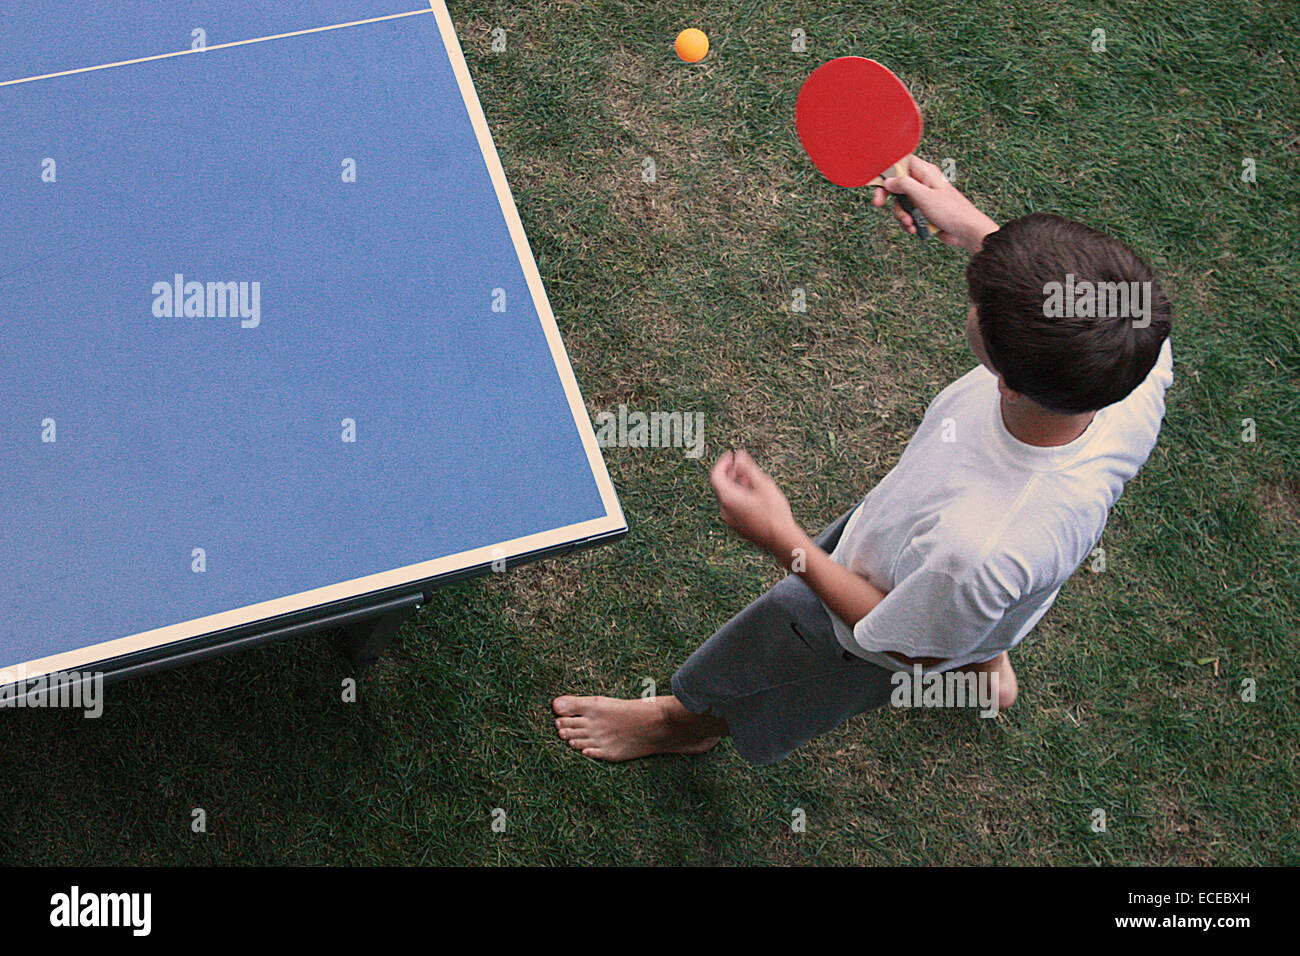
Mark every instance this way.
x=376 y=306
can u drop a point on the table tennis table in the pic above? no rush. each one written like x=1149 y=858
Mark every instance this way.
x=275 y=355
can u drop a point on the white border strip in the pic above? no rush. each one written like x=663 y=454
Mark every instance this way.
x=526 y=260
x=318 y=597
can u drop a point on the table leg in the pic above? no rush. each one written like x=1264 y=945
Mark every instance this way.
x=365 y=640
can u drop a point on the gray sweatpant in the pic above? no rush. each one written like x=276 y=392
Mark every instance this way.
x=777 y=675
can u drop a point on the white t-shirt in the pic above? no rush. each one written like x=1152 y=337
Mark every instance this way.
x=973 y=532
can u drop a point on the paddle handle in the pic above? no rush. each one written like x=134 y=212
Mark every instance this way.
x=923 y=226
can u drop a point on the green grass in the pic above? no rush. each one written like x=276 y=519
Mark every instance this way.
x=676 y=296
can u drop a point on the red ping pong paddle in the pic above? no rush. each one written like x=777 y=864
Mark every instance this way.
x=858 y=122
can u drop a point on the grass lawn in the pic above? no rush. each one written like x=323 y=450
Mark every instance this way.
x=677 y=295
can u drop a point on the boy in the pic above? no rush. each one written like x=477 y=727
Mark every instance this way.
x=950 y=561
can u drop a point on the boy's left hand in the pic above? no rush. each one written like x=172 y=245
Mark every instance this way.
x=751 y=503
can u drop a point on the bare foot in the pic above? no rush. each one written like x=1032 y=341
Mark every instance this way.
x=1008 y=686
x=606 y=728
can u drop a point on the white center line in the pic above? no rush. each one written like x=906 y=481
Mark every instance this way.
x=219 y=46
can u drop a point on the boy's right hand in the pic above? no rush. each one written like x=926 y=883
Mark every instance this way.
x=958 y=221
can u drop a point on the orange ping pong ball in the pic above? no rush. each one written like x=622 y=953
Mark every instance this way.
x=692 y=45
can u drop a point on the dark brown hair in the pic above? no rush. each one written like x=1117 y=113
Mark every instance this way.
x=1065 y=362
